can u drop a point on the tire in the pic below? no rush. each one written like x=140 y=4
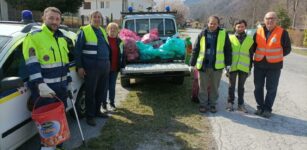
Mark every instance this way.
x=125 y=82
x=79 y=104
x=178 y=80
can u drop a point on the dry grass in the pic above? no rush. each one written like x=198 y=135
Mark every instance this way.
x=156 y=115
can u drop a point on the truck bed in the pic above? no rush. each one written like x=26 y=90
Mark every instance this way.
x=155 y=68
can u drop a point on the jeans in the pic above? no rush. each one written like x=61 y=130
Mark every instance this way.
x=269 y=77
x=112 y=84
x=242 y=76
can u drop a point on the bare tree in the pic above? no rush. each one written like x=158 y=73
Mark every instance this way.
x=295 y=4
x=175 y=5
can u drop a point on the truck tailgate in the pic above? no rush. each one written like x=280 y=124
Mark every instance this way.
x=155 y=68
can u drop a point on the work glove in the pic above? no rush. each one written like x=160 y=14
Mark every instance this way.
x=191 y=68
x=69 y=89
x=45 y=90
x=227 y=69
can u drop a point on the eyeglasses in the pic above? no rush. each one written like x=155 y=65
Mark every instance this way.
x=270 y=18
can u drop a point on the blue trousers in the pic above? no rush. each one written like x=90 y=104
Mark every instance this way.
x=112 y=83
x=269 y=78
x=96 y=85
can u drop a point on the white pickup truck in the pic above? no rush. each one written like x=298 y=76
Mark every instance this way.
x=142 y=23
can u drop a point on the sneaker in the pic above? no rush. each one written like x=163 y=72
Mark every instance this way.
x=103 y=109
x=213 y=109
x=112 y=107
x=242 y=108
x=202 y=109
x=266 y=114
x=258 y=112
x=91 y=121
x=229 y=107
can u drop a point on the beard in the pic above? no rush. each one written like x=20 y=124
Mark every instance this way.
x=53 y=27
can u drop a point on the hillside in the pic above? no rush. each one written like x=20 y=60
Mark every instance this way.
x=230 y=10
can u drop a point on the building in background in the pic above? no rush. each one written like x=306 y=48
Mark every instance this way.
x=3 y=10
x=111 y=8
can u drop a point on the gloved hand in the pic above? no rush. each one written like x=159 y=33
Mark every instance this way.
x=227 y=68
x=191 y=68
x=45 y=90
x=227 y=71
x=69 y=87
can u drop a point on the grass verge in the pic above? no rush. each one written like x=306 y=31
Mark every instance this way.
x=155 y=115
x=299 y=51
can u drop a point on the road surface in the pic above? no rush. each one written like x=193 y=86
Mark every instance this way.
x=286 y=129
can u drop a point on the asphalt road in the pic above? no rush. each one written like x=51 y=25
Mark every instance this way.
x=286 y=129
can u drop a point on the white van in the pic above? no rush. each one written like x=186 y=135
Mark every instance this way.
x=16 y=125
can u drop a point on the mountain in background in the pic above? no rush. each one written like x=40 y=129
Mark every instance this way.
x=251 y=10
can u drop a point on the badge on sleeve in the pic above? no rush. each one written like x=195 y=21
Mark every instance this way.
x=46 y=58
x=31 y=51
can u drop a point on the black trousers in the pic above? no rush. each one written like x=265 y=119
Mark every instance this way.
x=96 y=85
x=242 y=76
x=269 y=78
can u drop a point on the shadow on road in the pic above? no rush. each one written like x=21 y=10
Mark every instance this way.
x=278 y=123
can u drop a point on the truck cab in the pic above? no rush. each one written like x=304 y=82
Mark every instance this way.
x=142 y=23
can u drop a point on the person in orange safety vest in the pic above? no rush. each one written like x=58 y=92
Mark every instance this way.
x=272 y=43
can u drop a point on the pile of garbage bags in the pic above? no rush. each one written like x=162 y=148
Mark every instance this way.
x=151 y=47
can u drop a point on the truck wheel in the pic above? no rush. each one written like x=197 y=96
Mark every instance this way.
x=79 y=104
x=125 y=82
x=178 y=80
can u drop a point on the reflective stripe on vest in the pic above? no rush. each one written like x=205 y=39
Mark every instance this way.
x=55 y=80
x=270 y=48
x=91 y=41
x=43 y=54
x=240 y=53
x=219 y=57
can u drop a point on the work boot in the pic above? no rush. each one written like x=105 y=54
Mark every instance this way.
x=266 y=114
x=213 y=109
x=242 y=108
x=91 y=121
x=258 y=112
x=229 y=107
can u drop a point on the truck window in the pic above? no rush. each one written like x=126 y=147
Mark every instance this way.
x=169 y=27
x=15 y=65
x=142 y=26
x=157 y=23
x=129 y=24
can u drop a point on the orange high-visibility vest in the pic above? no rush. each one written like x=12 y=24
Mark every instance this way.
x=270 y=48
